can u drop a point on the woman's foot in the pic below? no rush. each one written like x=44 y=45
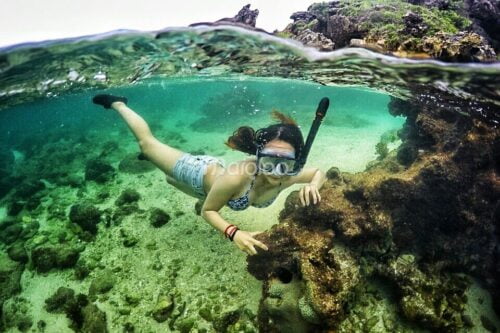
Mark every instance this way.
x=106 y=100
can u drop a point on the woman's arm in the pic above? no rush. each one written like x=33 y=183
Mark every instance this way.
x=314 y=179
x=222 y=190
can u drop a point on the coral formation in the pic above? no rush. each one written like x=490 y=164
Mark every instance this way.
x=415 y=226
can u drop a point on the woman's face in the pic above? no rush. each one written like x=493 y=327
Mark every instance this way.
x=279 y=146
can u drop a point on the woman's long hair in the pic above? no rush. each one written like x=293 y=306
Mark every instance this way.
x=247 y=140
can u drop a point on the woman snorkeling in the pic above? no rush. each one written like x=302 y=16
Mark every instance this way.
x=279 y=152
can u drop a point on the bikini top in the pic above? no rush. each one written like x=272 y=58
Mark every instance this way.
x=243 y=202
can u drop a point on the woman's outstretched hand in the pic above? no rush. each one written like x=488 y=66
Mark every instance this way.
x=244 y=241
x=307 y=192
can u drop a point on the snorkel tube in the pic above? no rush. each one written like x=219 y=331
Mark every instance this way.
x=320 y=114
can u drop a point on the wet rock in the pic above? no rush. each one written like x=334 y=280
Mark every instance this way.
x=163 y=308
x=45 y=258
x=128 y=196
x=133 y=165
x=158 y=217
x=99 y=171
x=461 y=47
x=86 y=216
x=316 y=40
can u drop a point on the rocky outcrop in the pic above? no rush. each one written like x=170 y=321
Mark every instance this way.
x=410 y=29
x=414 y=219
x=245 y=16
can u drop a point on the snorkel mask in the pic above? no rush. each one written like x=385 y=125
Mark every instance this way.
x=284 y=163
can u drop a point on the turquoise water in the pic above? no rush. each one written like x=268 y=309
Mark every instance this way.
x=194 y=88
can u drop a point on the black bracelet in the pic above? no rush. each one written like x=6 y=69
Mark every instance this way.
x=231 y=237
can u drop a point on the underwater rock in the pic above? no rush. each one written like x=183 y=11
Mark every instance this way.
x=101 y=284
x=16 y=313
x=131 y=164
x=122 y=211
x=99 y=171
x=435 y=301
x=29 y=189
x=45 y=258
x=17 y=252
x=86 y=216
x=10 y=230
x=436 y=211
x=85 y=317
x=158 y=217
x=163 y=308
x=94 y=320
x=63 y=300
x=128 y=196
x=10 y=278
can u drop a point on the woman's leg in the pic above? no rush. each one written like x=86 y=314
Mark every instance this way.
x=160 y=154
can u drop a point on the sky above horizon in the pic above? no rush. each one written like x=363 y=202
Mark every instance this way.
x=34 y=20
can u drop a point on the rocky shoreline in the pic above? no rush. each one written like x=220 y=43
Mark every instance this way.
x=453 y=31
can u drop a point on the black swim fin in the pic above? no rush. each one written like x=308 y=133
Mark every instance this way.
x=106 y=100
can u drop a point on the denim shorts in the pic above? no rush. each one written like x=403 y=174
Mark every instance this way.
x=190 y=170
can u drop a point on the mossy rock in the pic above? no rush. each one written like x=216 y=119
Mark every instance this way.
x=94 y=320
x=99 y=171
x=158 y=217
x=44 y=258
x=128 y=196
x=86 y=216
x=18 y=253
x=133 y=165
x=62 y=300
x=104 y=282
x=163 y=308
x=10 y=277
